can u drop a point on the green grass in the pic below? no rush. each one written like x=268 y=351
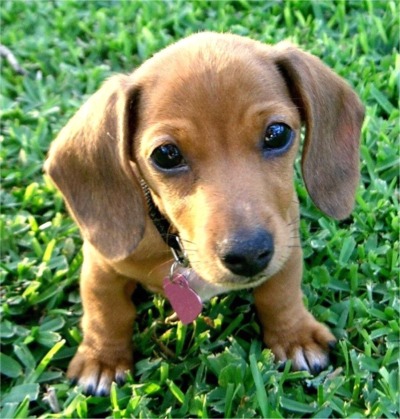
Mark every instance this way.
x=217 y=367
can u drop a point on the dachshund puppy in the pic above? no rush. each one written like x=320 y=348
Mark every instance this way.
x=194 y=152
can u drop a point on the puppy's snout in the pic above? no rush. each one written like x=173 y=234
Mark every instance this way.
x=247 y=253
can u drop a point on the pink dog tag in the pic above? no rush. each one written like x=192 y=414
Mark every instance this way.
x=186 y=303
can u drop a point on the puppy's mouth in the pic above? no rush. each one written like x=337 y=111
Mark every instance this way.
x=206 y=289
x=208 y=283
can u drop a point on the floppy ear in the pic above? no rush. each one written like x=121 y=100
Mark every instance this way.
x=89 y=163
x=333 y=116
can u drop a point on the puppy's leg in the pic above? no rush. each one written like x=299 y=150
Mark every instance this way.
x=289 y=329
x=106 y=351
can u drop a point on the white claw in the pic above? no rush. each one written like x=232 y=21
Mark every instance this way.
x=299 y=361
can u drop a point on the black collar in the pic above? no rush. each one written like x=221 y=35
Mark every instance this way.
x=163 y=226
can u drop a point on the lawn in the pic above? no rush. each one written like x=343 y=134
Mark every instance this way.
x=216 y=367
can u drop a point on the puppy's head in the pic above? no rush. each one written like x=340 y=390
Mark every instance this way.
x=212 y=124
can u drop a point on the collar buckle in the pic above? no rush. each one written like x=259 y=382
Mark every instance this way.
x=179 y=254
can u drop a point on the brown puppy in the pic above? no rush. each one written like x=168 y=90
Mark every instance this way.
x=211 y=127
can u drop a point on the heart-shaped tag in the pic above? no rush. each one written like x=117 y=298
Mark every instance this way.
x=186 y=303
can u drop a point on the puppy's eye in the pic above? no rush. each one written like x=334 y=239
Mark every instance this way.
x=278 y=138
x=167 y=157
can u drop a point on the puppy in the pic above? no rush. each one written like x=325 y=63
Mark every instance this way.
x=194 y=152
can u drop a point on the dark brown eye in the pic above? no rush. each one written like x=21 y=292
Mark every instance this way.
x=167 y=157
x=278 y=138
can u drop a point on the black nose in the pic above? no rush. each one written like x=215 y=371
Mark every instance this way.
x=247 y=253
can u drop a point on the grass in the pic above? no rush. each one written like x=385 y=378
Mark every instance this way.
x=217 y=367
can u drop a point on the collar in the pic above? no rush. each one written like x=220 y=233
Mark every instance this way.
x=164 y=227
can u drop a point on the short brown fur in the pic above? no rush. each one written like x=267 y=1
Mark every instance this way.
x=211 y=95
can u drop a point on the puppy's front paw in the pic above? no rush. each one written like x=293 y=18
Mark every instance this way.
x=94 y=370
x=306 y=343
